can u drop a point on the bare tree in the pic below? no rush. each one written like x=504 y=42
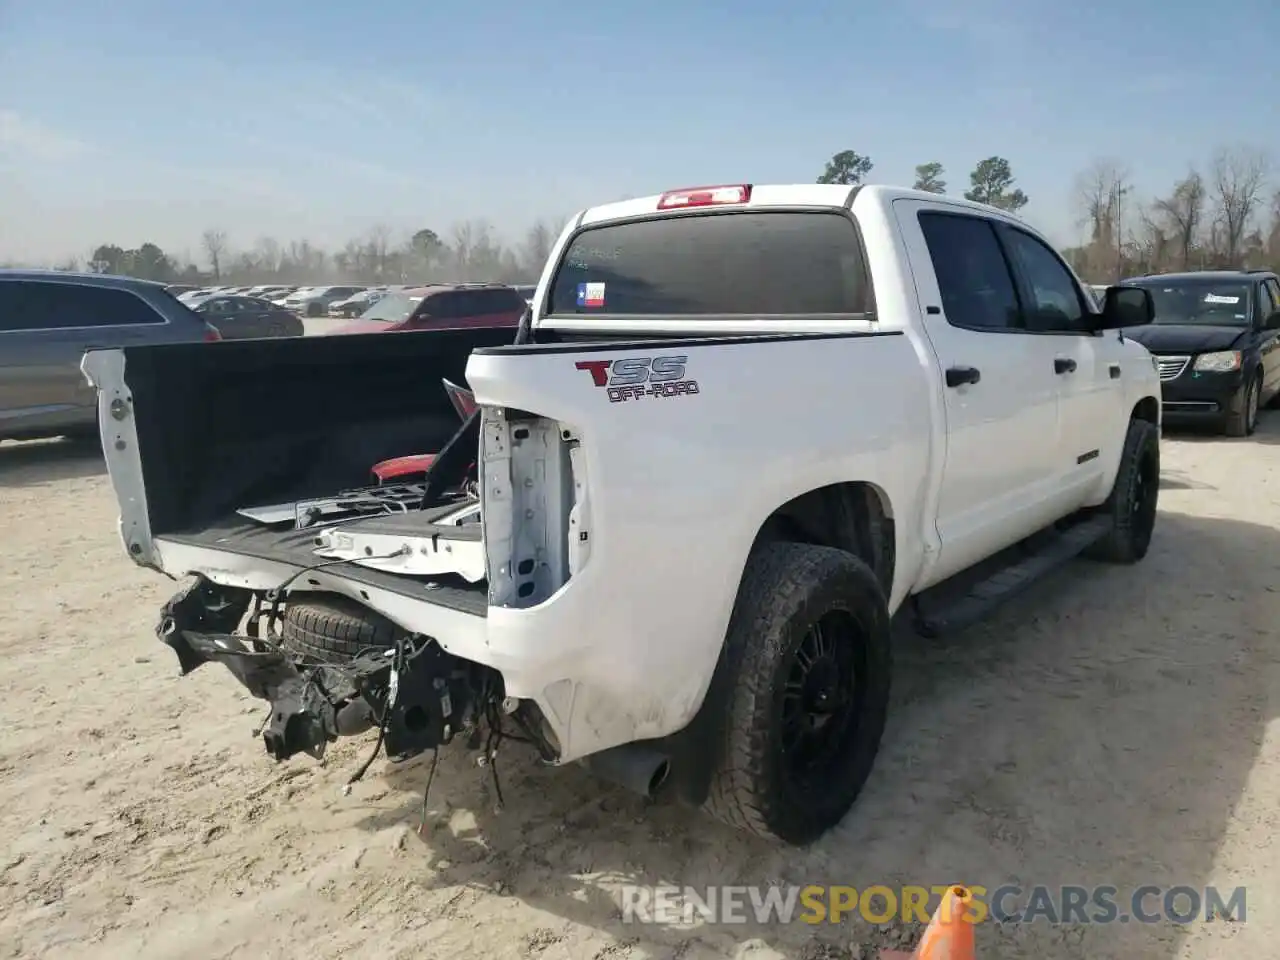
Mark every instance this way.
x=464 y=241
x=379 y=246
x=537 y=248
x=1273 y=233
x=1239 y=175
x=1100 y=192
x=1149 y=244
x=1183 y=210
x=268 y=255
x=215 y=245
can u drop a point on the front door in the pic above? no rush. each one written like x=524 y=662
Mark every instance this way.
x=1086 y=368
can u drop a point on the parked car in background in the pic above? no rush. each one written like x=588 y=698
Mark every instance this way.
x=526 y=290
x=241 y=318
x=285 y=293
x=48 y=319
x=1099 y=293
x=1215 y=340
x=315 y=302
x=356 y=304
x=442 y=307
x=177 y=288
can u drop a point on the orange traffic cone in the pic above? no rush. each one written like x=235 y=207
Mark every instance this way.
x=949 y=935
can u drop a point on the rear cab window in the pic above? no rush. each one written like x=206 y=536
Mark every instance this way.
x=724 y=264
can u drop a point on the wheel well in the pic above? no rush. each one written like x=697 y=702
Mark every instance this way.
x=852 y=516
x=1148 y=409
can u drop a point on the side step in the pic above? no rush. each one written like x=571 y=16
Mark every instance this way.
x=1008 y=581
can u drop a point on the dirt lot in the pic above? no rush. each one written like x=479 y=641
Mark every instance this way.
x=1115 y=726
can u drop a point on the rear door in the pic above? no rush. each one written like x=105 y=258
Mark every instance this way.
x=999 y=389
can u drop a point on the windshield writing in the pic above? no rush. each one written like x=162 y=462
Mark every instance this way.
x=1222 y=304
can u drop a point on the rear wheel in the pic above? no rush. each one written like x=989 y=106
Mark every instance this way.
x=809 y=664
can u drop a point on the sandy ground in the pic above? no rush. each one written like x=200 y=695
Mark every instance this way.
x=1114 y=726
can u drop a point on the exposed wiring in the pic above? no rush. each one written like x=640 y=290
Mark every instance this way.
x=405 y=650
x=274 y=595
x=426 y=792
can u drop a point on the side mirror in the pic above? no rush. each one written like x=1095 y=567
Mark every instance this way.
x=1126 y=307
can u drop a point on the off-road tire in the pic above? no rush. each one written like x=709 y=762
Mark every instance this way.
x=1134 y=498
x=334 y=629
x=1242 y=415
x=786 y=588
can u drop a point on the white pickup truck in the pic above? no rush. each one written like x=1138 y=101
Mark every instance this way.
x=740 y=428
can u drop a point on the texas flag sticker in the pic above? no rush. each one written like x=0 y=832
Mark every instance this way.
x=591 y=294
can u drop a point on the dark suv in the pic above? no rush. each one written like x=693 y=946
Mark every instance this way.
x=48 y=319
x=1215 y=340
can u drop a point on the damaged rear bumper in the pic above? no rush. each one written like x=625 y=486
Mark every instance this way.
x=417 y=695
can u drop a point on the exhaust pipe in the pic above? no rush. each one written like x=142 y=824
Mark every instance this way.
x=633 y=766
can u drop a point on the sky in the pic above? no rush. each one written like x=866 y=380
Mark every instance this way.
x=143 y=120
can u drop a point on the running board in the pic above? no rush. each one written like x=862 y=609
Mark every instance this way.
x=1009 y=581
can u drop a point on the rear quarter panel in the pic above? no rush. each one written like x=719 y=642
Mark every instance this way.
x=679 y=488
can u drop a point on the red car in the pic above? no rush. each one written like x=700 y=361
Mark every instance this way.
x=442 y=306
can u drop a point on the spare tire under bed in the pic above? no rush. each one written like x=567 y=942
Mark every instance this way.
x=334 y=629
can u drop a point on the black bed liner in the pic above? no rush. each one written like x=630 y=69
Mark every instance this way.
x=297 y=548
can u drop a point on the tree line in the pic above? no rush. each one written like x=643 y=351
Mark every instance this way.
x=1226 y=216
x=470 y=251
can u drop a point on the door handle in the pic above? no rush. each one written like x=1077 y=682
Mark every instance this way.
x=958 y=376
x=1064 y=365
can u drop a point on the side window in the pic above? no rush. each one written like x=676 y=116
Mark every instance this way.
x=63 y=306
x=430 y=308
x=14 y=312
x=452 y=306
x=1268 y=302
x=1055 y=301
x=490 y=302
x=973 y=278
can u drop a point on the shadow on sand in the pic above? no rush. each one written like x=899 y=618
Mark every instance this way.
x=35 y=462
x=1099 y=730
x=1267 y=432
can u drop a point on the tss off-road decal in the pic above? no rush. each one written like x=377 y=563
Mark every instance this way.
x=635 y=377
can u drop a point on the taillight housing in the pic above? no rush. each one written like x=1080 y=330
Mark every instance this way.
x=705 y=196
